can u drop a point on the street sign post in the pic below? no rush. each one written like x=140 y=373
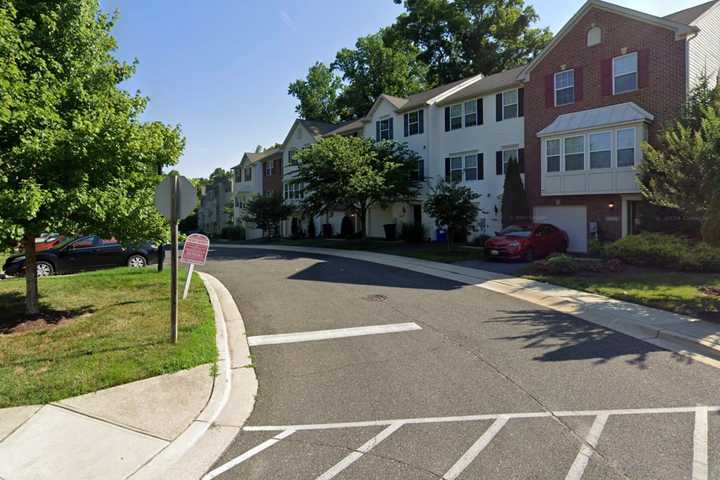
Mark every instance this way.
x=175 y=198
x=194 y=253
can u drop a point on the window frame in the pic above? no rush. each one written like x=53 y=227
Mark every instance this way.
x=474 y=103
x=268 y=164
x=636 y=73
x=506 y=105
x=473 y=156
x=385 y=128
x=505 y=159
x=556 y=90
x=583 y=152
x=460 y=116
x=634 y=148
x=591 y=151
x=559 y=155
x=247 y=174
x=415 y=123
x=460 y=170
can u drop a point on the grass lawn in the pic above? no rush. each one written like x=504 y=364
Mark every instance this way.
x=677 y=292
x=98 y=329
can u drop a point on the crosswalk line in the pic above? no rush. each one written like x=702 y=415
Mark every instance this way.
x=247 y=455
x=700 y=445
x=583 y=457
x=475 y=449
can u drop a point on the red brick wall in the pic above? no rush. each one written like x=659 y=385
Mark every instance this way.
x=663 y=97
x=273 y=183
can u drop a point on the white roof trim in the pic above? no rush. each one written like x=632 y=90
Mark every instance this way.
x=611 y=116
x=455 y=89
x=680 y=29
x=704 y=14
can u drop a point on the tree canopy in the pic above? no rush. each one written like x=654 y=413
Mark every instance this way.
x=74 y=155
x=515 y=206
x=267 y=211
x=317 y=94
x=462 y=38
x=356 y=173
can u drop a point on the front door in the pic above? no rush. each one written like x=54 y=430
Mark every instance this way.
x=417 y=214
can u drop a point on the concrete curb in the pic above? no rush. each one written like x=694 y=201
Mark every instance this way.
x=171 y=462
x=644 y=323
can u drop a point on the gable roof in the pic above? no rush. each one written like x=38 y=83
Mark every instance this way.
x=489 y=84
x=317 y=128
x=596 y=118
x=252 y=157
x=349 y=126
x=419 y=100
x=690 y=15
x=680 y=29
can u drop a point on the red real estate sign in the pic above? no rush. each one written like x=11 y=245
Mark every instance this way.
x=195 y=250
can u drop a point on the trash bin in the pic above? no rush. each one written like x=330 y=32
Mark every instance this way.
x=327 y=230
x=390 y=231
x=441 y=235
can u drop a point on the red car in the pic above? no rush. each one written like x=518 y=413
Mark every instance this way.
x=48 y=241
x=527 y=241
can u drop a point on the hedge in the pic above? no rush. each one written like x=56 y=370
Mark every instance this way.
x=666 y=251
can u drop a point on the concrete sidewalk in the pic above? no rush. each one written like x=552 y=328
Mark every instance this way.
x=679 y=333
x=140 y=430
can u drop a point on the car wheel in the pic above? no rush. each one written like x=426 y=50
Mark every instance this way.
x=44 y=269
x=137 y=261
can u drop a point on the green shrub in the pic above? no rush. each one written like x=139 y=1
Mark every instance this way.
x=596 y=248
x=233 y=233
x=557 y=265
x=412 y=233
x=666 y=251
x=481 y=239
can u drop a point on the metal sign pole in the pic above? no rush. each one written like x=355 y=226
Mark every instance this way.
x=188 y=280
x=174 y=260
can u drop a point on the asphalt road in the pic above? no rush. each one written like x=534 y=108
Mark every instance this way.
x=533 y=394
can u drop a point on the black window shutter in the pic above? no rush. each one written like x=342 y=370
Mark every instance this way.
x=521 y=102
x=406 y=121
x=391 y=121
x=521 y=160
x=377 y=131
x=421 y=121
x=480 y=111
x=447 y=119
x=447 y=169
x=481 y=166
x=498 y=107
x=499 y=163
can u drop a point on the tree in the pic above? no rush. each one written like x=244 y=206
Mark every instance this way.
x=375 y=67
x=356 y=173
x=317 y=94
x=461 y=38
x=683 y=171
x=74 y=156
x=515 y=207
x=453 y=207
x=267 y=212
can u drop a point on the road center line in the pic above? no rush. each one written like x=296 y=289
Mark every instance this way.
x=329 y=334
x=354 y=456
x=586 y=451
x=475 y=449
x=700 y=447
x=247 y=455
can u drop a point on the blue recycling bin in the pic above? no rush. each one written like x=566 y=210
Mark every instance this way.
x=441 y=235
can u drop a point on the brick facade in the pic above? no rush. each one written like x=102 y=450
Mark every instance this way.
x=662 y=97
x=273 y=183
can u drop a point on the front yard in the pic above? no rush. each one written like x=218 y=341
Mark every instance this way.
x=677 y=292
x=99 y=329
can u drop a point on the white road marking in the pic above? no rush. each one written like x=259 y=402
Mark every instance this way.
x=586 y=451
x=474 y=418
x=354 y=456
x=247 y=455
x=328 y=334
x=700 y=447
x=475 y=449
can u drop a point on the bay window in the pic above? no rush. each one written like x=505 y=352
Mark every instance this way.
x=626 y=147
x=600 y=150
x=574 y=153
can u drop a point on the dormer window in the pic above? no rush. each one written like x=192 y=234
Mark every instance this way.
x=594 y=36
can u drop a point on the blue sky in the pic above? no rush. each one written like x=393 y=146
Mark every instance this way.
x=221 y=68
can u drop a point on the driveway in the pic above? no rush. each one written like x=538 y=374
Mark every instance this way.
x=399 y=375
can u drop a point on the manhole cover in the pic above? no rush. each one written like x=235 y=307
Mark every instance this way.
x=375 y=298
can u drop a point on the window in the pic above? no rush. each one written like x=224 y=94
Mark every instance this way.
x=508 y=155
x=594 y=36
x=238 y=175
x=385 y=129
x=456 y=169
x=248 y=174
x=471 y=113
x=291 y=158
x=471 y=167
x=564 y=88
x=626 y=147
x=625 y=73
x=268 y=168
x=510 y=104
x=414 y=123
x=600 y=150
x=574 y=153
x=293 y=190
x=456 y=114
x=552 y=155
x=420 y=172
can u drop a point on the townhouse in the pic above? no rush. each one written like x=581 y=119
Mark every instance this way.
x=247 y=182
x=215 y=197
x=610 y=79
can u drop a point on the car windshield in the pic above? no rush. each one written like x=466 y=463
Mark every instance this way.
x=517 y=231
x=65 y=242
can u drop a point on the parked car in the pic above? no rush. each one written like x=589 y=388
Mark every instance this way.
x=526 y=241
x=84 y=253
x=48 y=241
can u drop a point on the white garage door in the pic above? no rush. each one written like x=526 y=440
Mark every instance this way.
x=571 y=219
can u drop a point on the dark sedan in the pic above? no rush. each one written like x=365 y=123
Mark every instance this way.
x=84 y=253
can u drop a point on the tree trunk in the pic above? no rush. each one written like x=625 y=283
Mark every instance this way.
x=32 y=302
x=362 y=211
